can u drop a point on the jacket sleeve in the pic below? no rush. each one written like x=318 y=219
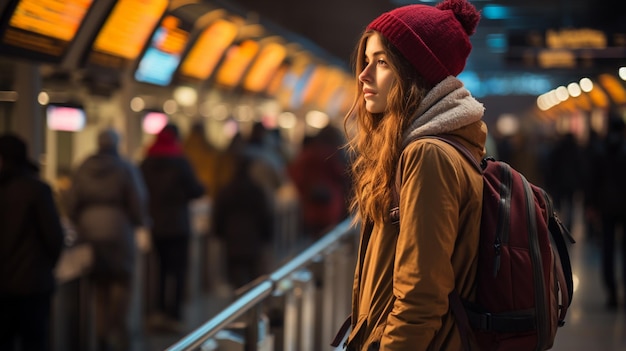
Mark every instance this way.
x=51 y=229
x=218 y=214
x=195 y=189
x=423 y=274
x=72 y=202
x=137 y=197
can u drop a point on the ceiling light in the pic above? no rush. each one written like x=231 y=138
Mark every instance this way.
x=573 y=89
x=185 y=96
x=586 y=85
x=496 y=12
x=561 y=93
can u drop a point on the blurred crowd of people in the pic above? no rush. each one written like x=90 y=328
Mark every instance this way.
x=107 y=198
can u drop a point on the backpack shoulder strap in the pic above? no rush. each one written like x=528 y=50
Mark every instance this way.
x=563 y=264
x=394 y=212
x=461 y=148
x=461 y=318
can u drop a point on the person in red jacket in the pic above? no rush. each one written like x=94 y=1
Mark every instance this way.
x=321 y=176
x=172 y=185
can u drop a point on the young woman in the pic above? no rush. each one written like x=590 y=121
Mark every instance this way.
x=406 y=63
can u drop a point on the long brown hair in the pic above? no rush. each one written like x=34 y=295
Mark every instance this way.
x=375 y=138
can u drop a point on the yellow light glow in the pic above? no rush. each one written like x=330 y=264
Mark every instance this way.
x=129 y=26
x=237 y=60
x=209 y=49
x=315 y=84
x=287 y=120
x=613 y=87
x=264 y=67
x=50 y=18
x=598 y=97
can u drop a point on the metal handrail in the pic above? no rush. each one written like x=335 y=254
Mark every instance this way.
x=263 y=289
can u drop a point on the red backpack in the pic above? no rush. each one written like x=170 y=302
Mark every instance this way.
x=524 y=279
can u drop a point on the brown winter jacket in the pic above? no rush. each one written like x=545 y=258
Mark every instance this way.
x=406 y=271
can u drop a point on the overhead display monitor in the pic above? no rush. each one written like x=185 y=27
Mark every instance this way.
x=294 y=81
x=163 y=55
x=153 y=122
x=236 y=62
x=264 y=67
x=208 y=50
x=68 y=118
x=277 y=79
x=314 y=85
x=125 y=32
x=41 y=30
x=331 y=87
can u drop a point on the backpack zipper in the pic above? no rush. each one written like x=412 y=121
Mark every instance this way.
x=504 y=221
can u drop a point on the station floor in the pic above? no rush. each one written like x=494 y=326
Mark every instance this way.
x=589 y=325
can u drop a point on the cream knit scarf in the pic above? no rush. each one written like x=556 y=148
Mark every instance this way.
x=447 y=107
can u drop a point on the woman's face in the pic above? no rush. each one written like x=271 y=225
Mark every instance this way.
x=377 y=77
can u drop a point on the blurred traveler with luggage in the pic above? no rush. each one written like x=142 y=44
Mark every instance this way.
x=107 y=201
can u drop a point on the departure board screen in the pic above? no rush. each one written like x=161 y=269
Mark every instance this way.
x=294 y=84
x=208 y=50
x=125 y=31
x=65 y=118
x=41 y=30
x=277 y=79
x=161 y=58
x=236 y=62
x=264 y=67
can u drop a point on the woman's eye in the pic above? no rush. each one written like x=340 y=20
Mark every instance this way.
x=382 y=62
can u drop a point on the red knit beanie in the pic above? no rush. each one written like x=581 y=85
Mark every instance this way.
x=435 y=40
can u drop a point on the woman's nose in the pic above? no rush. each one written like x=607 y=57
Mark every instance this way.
x=364 y=76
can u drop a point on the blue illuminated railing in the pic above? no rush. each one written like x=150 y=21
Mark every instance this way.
x=336 y=251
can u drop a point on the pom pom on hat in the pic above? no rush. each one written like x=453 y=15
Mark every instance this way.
x=464 y=12
x=435 y=40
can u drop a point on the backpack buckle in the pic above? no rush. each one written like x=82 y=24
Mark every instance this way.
x=485 y=321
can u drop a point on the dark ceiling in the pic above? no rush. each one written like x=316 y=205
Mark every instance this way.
x=335 y=25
